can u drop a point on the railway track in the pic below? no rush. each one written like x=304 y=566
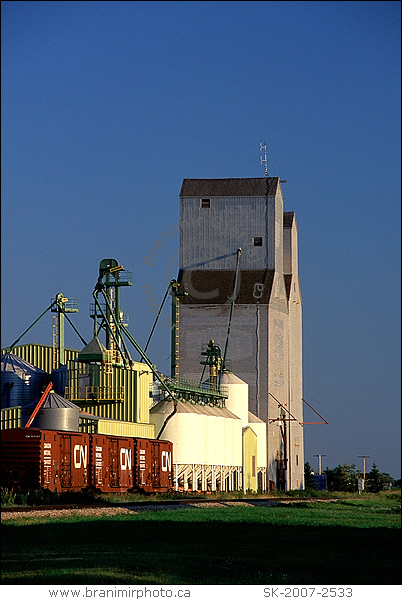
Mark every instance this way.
x=141 y=506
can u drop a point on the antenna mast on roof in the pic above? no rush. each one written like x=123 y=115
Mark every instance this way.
x=263 y=147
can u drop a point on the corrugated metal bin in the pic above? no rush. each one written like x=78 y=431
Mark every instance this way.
x=56 y=413
x=21 y=382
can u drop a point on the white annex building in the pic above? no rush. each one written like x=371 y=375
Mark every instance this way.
x=218 y=217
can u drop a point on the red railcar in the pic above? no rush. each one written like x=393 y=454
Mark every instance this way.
x=153 y=465
x=43 y=459
x=62 y=460
x=162 y=465
x=111 y=463
x=73 y=456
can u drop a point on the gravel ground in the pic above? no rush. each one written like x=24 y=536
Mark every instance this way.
x=98 y=512
x=110 y=511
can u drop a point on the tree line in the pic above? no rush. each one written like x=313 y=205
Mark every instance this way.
x=344 y=478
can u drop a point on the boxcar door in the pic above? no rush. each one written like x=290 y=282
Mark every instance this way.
x=162 y=465
x=113 y=463
x=126 y=463
x=74 y=458
x=143 y=465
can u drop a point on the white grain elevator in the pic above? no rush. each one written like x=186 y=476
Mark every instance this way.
x=218 y=216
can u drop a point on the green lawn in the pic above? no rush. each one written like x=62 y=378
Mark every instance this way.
x=354 y=541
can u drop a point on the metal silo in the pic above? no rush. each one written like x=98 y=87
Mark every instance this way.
x=201 y=425
x=183 y=426
x=219 y=437
x=186 y=429
x=210 y=435
x=228 y=441
x=56 y=413
x=237 y=401
x=21 y=382
x=59 y=379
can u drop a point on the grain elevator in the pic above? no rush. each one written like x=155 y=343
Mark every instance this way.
x=217 y=218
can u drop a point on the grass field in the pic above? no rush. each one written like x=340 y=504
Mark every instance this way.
x=353 y=541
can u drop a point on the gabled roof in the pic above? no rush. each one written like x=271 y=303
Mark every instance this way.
x=255 y=186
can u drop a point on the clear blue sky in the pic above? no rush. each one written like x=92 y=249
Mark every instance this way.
x=107 y=106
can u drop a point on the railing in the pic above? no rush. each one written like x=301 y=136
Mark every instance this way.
x=95 y=393
x=193 y=391
x=71 y=305
x=95 y=311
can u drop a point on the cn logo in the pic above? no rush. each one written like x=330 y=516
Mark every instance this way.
x=258 y=289
x=80 y=456
x=166 y=461
x=125 y=459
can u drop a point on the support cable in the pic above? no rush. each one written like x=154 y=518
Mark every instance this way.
x=73 y=326
x=101 y=288
x=231 y=308
x=156 y=319
x=159 y=378
x=97 y=303
x=323 y=422
x=30 y=327
x=118 y=328
x=148 y=362
x=167 y=420
x=284 y=408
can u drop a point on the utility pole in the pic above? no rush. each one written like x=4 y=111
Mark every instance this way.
x=319 y=462
x=364 y=464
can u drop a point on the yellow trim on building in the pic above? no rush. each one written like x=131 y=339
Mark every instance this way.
x=249 y=460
